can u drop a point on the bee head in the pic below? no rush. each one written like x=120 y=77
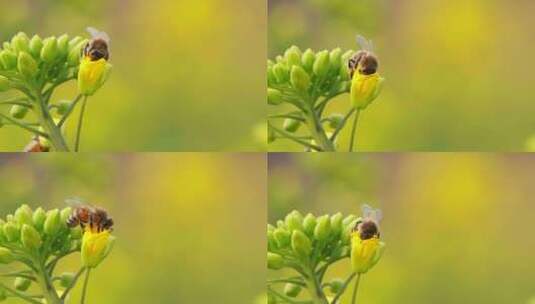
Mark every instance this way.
x=368 y=229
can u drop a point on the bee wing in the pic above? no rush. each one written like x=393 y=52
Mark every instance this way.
x=77 y=202
x=366 y=211
x=98 y=34
x=364 y=43
x=374 y=214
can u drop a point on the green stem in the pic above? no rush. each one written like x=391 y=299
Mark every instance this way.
x=24 y=126
x=355 y=289
x=342 y=124
x=69 y=111
x=84 y=290
x=79 y=128
x=318 y=297
x=294 y=138
x=344 y=287
x=78 y=274
x=46 y=121
x=316 y=130
x=354 y=130
x=285 y=298
x=46 y=286
x=19 y=294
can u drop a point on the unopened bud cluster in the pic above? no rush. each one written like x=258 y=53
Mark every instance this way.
x=309 y=239
x=299 y=76
x=26 y=61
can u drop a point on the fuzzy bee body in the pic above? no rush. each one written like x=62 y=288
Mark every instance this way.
x=97 y=219
x=368 y=227
x=98 y=47
x=364 y=61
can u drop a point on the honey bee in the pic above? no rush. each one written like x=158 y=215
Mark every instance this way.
x=98 y=46
x=364 y=61
x=368 y=227
x=86 y=215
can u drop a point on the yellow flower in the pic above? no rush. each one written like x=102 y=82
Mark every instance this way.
x=92 y=75
x=365 y=253
x=364 y=89
x=95 y=246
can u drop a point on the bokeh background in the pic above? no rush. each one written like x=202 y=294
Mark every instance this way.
x=187 y=75
x=458 y=227
x=189 y=227
x=458 y=73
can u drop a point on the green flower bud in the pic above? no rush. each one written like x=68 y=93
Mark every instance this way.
x=4 y=84
x=76 y=233
x=271 y=79
x=281 y=224
x=293 y=56
x=321 y=65
x=73 y=58
x=63 y=45
x=336 y=285
x=95 y=247
x=323 y=228
x=65 y=214
x=3 y=294
x=335 y=120
x=282 y=236
x=36 y=44
x=49 y=52
x=309 y=223
x=20 y=43
x=6 y=46
x=308 y=60
x=291 y=125
x=8 y=59
x=22 y=284
x=75 y=41
x=274 y=261
x=349 y=219
x=92 y=75
x=18 y=111
x=31 y=239
x=299 y=79
x=12 y=231
x=272 y=243
x=336 y=224
x=281 y=72
x=52 y=222
x=274 y=96
x=364 y=89
x=39 y=217
x=365 y=253
x=6 y=256
x=294 y=220
x=27 y=65
x=335 y=59
x=66 y=279
x=24 y=214
x=63 y=106
x=292 y=290
x=301 y=244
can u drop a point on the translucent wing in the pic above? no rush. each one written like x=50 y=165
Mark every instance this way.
x=366 y=211
x=77 y=202
x=98 y=34
x=369 y=213
x=364 y=43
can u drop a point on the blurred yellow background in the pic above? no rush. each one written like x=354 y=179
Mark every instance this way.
x=189 y=227
x=187 y=75
x=458 y=227
x=459 y=74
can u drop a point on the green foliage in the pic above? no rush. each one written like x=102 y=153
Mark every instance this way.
x=309 y=245
x=38 y=240
x=308 y=81
x=33 y=69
